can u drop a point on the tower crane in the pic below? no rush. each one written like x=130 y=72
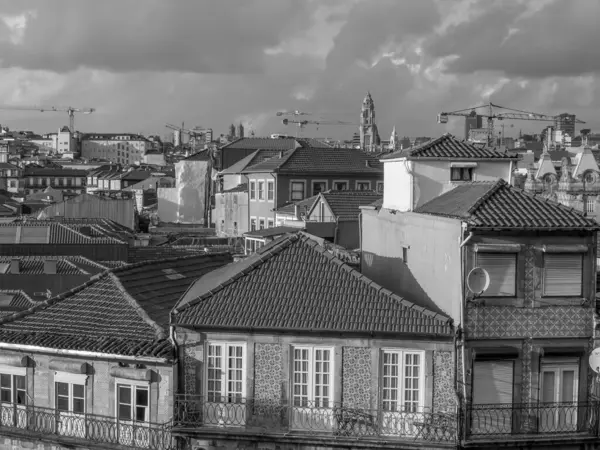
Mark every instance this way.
x=68 y=109
x=302 y=123
x=292 y=113
x=508 y=114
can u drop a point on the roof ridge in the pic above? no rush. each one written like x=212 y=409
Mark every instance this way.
x=158 y=330
x=491 y=191
x=163 y=260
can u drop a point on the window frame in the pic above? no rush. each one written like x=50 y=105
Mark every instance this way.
x=461 y=171
x=367 y=182
x=312 y=186
x=379 y=187
x=590 y=201
x=346 y=182
x=544 y=274
x=133 y=385
x=270 y=190
x=292 y=182
x=225 y=344
x=253 y=221
x=13 y=372
x=252 y=189
x=311 y=396
x=261 y=223
x=270 y=223
x=260 y=190
x=514 y=255
x=400 y=389
x=70 y=379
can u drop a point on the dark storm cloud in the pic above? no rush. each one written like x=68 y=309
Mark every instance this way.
x=200 y=36
x=560 y=40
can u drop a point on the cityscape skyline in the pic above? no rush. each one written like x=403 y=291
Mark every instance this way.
x=416 y=59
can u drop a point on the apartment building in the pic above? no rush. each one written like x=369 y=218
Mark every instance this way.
x=70 y=181
x=120 y=148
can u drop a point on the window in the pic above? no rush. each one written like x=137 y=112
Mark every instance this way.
x=563 y=274
x=13 y=183
x=380 y=187
x=502 y=269
x=319 y=186
x=297 y=190
x=132 y=403
x=461 y=174
x=270 y=223
x=405 y=255
x=492 y=385
x=590 y=205
x=312 y=377
x=253 y=224
x=235 y=229
x=340 y=185
x=363 y=185
x=226 y=375
x=270 y=190
x=402 y=381
x=261 y=224
x=13 y=388
x=261 y=190
x=252 y=190
x=558 y=384
x=70 y=397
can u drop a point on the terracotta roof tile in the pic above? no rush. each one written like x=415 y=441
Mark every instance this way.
x=303 y=206
x=65 y=265
x=346 y=204
x=267 y=143
x=124 y=311
x=447 y=146
x=499 y=205
x=297 y=285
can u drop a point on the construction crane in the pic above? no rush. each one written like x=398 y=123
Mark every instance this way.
x=293 y=113
x=68 y=109
x=508 y=114
x=302 y=123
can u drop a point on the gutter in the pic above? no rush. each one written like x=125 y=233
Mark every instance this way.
x=80 y=353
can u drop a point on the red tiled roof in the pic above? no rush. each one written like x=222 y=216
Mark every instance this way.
x=239 y=188
x=124 y=311
x=267 y=143
x=270 y=232
x=15 y=300
x=65 y=265
x=295 y=284
x=303 y=206
x=347 y=161
x=499 y=205
x=346 y=204
x=447 y=146
x=50 y=232
x=254 y=158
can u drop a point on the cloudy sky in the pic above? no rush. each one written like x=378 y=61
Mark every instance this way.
x=142 y=63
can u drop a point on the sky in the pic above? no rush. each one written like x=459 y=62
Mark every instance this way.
x=208 y=63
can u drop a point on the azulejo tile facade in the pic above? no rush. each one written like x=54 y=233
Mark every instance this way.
x=356 y=367
x=444 y=396
x=521 y=323
x=268 y=372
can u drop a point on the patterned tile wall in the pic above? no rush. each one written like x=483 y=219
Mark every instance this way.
x=356 y=376
x=443 y=382
x=510 y=322
x=268 y=372
x=189 y=368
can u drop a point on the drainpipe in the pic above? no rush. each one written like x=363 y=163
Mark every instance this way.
x=462 y=312
x=274 y=199
x=360 y=240
x=336 y=230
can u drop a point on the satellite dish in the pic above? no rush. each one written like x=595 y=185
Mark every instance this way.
x=595 y=360
x=478 y=280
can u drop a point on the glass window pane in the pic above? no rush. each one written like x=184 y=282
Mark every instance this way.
x=78 y=391
x=124 y=412
x=140 y=414
x=568 y=387
x=549 y=387
x=78 y=405
x=62 y=403
x=19 y=382
x=62 y=389
x=5 y=381
x=125 y=394
x=141 y=397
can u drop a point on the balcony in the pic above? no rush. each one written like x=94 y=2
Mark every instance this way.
x=70 y=428
x=196 y=415
x=517 y=421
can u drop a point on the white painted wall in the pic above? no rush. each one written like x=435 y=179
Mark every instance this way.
x=397 y=189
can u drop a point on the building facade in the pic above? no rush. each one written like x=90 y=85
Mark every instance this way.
x=70 y=181
x=369 y=134
x=125 y=148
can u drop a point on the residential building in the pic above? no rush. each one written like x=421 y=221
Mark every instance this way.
x=517 y=274
x=145 y=190
x=10 y=175
x=472 y=121
x=155 y=158
x=70 y=181
x=369 y=134
x=66 y=144
x=294 y=214
x=94 y=368
x=318 y=356
x=120 y=148
x=255 y=240
x=98 y=179
x=234 y=151
x=303 y=172
x=421 y=173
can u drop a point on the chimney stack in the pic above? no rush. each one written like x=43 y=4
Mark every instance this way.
x=50 y=266
x=15 y=267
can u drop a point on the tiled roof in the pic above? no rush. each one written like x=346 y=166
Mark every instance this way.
x=124 y=311
x=51 y=232
x=65 y=265
x=254 y=158
x=377 y=203
x=53 y=172
x=321 y=160
x=136 y=175
x=267 y=143
x=447 y=146
x=346 y=204
x=151 y=182
x=153 y=253
x=295 y=284
x=270 y=232
x=303 y=206
x=202 y=155
x=239 y=188
x=14 y=300
x=501 y=206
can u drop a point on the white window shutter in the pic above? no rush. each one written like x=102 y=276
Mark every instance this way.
x=502 y=269
x=563 y=274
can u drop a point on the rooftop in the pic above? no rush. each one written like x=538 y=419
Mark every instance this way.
x=74 y=231
x=254 y=158
x=321 y=160
x=267 y=143
x=497 y=205
x=294 y=284
x=270 y=232
x=449 y=147
x=303 y=206
x=346 y=204
x=239 y=188
x=124 y=311
x=53 y=172
x=65 y=265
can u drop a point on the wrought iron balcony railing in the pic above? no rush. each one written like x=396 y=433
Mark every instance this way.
x=265 y=416
x=37 y=421
x=527 y=419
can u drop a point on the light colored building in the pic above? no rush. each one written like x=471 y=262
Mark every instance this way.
x=121 y=148
x=70 y=181
x=369 y=134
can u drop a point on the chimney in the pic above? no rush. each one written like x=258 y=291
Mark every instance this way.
x=50 y=266
x=15 y=266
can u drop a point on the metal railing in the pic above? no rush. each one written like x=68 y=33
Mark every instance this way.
x=34 y=420
x=527 y=419
x=335 y=419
